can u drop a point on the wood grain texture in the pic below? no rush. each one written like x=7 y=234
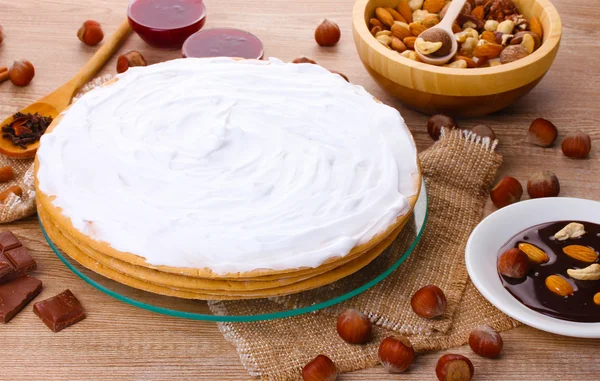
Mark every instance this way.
x=121 y=342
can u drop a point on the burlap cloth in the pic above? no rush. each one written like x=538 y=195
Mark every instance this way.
x=458 y=171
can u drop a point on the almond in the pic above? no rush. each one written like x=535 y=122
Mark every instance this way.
x=384 y=16
x=395 y=15
x=456 y=28
x=581 y=253
x=401 y=30
x=489 y=36
x=559 y=285
x=488 y=51
x=417 y=28
x=433 y=6
x=410 y=42
x=534 y=253
x=536 y=26
x=375 y=22
x=397 y=45
x=478 y=13
x=404 y=9
x=592 y=272
x=6 y=174
x=470 y=63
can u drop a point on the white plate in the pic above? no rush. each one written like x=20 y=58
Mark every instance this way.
x=494 y=231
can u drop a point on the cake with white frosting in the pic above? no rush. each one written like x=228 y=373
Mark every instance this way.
x=221 y=167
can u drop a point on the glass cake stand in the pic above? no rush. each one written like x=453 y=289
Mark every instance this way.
x=268 y=308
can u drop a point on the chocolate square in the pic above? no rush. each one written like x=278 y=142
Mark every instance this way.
x=19 y=263
x=8 y=241
x=16 y=294
x=60 y=311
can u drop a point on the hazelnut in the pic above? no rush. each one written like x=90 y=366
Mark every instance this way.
x=577 y=145
x=436 y=122
x=1 y=34
x=514 y=263
x=354 y=327
x=429 y=302
x=21 y=73
x=130 y=59
x=597 y=299
x=542 y=133
x=340 y=74
x=327 y=34
x=506 y=192
x=513 y=53
x=452 y=367
x=396 y=354
x=90 y=33
x=440 y=40
x=484 y=131
x=321 y=368
x=298 y=60
x=543 y=184
x=486 y=342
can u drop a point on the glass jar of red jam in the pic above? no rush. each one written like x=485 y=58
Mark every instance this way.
x=223 y=42
x=166 y=24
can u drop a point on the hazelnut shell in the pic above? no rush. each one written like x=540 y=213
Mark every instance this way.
x=514 y=263
x=453 y=367
x=484 y=131
x=507 y=191
x=327 y=33
x=543 y=184
x=577 y=145
x=396 y=354
x=21 y=73
x=542 y=133
x=321 y=368
x=429 y=302
x=354 y=327
x=486 y=342
x=436 y=122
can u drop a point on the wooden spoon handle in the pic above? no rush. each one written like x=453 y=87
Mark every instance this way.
x=103 y=54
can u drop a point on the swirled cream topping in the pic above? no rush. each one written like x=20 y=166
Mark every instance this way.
x=230 y=165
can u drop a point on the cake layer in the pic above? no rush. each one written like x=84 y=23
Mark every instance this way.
x=229 y=166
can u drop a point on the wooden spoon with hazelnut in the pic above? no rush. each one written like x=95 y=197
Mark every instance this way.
x=437 y=45
x=55 y=102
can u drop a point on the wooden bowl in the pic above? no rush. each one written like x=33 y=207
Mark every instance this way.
x=458 y=92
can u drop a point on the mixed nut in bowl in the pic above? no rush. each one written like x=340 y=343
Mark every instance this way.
x=501 y=55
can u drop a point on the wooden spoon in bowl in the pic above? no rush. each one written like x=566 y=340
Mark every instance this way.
x=442 y=32
x=53 y=103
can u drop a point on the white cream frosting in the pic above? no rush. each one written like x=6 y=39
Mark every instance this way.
x=230 y=165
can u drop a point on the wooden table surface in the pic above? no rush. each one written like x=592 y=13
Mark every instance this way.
x=120 y=342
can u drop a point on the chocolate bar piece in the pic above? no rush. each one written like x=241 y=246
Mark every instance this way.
x=59 y=311
x=15 y=259
x=16 y=294
x=8 y=241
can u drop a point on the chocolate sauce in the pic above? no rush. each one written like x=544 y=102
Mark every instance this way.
x=532 y=290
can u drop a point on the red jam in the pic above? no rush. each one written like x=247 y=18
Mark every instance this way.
x=166 y=24
x=223 y=42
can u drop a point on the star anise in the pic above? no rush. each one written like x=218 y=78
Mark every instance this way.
x=499 y=10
